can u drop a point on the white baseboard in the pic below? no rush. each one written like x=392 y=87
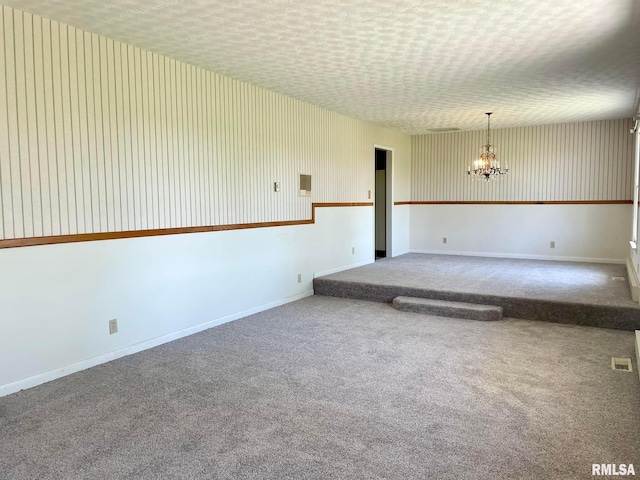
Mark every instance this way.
x=400 y=252
x=138 y=347
x=343 y=267
x=634 y=283
x=523 y=256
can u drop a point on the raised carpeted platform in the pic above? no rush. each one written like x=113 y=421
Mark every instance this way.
x=589 y=294
x=442 y=308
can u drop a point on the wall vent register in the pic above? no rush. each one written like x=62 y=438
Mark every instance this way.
x=305 y=185
x=622 y=364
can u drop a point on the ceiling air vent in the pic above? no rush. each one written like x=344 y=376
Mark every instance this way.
x=443 y=130
x=622 y=364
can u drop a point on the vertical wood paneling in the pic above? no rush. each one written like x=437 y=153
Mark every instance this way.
x=44 y=155
x=132 y=137
x=165 y=75
x=92 y=190
x=575 y=161
x=37 y=163
x=6 y=207
x=125 y=132
x=52 y=72
x=23 y=158
x=113 y=159
x=79 y=120
x=99 y=136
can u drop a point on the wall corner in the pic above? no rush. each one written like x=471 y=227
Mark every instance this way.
x=634 y=283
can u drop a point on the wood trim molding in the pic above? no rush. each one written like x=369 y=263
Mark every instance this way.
x=534 y=202
x=89 y=237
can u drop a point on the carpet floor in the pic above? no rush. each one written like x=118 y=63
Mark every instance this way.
x=574 y=282
x=333 y=388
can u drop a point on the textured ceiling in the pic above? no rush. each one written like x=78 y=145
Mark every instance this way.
x=405 y=64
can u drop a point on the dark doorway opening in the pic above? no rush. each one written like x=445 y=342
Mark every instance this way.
x=380 y=203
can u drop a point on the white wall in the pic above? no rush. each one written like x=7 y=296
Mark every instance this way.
x=103 y=137
x=401 y=229
x=634 y=254
x=58 y=299
x=581 y=232
x=588 y=162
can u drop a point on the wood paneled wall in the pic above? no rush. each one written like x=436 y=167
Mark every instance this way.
x=566 y=162
x=100 y=136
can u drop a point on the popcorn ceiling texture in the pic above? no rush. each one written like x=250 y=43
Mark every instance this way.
x=407 y=64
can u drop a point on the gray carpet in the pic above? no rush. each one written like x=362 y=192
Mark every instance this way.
x=579 y=282
x=561 y=292
x=331 y=388
x=471 y=311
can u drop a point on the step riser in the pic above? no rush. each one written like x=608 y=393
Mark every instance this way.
x=484 y=313
x=620 y=318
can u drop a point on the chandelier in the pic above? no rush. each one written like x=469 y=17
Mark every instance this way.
x=487 y=167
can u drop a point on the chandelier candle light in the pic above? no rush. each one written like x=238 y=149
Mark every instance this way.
x=487 y=166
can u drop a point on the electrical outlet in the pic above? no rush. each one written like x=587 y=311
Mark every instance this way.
x=552 y=244
x=353 y=250
x=444 y=239
x=113 y=326
x=299 y=278
x=276 y=186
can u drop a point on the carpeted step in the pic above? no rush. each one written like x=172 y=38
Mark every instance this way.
x=359 y=284
x=443 y=308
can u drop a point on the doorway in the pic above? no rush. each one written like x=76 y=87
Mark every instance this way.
x=383 y=202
